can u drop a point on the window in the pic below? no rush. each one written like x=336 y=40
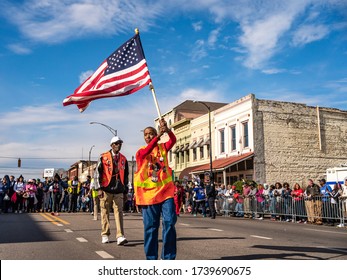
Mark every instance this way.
x=245 y=134
x=201 y=152
x=208 y=150
x=187 y=156
x=222 y=141
x=233 y=138
x=194 y=154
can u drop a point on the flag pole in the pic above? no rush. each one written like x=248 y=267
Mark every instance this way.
x=151 y=86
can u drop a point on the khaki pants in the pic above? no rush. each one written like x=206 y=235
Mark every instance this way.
x=116 y=200
x=309 y=205
x=96 y=203
x=318 y=211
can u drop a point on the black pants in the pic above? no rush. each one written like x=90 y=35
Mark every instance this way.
x=212 y=207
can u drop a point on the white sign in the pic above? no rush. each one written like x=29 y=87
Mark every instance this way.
x=48 y=172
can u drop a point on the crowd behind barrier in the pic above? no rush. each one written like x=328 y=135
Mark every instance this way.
x=314 y=211
x=52 y=195
x=314 y=204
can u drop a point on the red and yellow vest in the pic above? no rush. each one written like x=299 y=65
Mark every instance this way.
x=107 y=162
x=147 y=190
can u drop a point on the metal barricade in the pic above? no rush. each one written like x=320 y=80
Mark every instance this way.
x=317 y=210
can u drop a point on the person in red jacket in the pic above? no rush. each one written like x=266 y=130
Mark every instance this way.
x=154 y=191
x=178 y=198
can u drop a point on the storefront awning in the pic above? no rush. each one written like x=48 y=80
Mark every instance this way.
x=185 y=147
x=186 y=173
x=176 y=149
x=192 y=145
x=206 y=142
x=221 y=164
x=199 y=143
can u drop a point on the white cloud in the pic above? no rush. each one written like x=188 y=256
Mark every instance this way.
x=19 y=49
x=198 y=50
x=197 y=26
x=85 y=75
x=273 y=71
x=198 y=94
x=53 y=21
x=213 y=37
x=261 y=39
x=309 y=33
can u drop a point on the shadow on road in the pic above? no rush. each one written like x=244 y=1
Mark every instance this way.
x=299 y=253
x=15 y=228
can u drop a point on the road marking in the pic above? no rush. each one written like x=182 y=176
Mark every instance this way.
x=81 y=239
x=182 y=224
x=58 y=219
x=104 y=255
x=261 y=237
x=327 y=231
x=49 y=218
x=68 y=230
x=333 y=249
x=215 y=229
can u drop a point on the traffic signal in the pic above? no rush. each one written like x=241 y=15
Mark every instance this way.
x=19 y=162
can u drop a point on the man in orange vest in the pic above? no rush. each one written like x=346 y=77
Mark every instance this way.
x=154 y=191
x=112 y=175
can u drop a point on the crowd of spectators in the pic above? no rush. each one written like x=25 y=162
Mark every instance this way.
x=316 y=203
x=313 y=204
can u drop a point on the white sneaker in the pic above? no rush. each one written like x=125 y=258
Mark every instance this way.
x=95 y=219
x=340 y=225
x=261 y=218
x=104 y=239
x=121 y=240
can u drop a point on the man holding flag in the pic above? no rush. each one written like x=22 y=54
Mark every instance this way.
x=124 y=72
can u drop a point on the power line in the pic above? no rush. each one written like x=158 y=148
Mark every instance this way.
x=38 y=158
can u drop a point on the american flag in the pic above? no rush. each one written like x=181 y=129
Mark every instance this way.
x=123 y=72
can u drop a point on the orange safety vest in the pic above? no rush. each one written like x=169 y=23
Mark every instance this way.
x=107 y=164
x=151 y=186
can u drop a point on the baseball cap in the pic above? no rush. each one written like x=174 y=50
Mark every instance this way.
x=115 y=139
x=322 y=180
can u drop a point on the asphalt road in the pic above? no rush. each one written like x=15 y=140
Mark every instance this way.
x=75 y=236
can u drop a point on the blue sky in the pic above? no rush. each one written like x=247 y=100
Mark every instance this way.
x=211 y=50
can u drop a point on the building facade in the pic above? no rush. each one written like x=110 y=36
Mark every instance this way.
x=263 y=140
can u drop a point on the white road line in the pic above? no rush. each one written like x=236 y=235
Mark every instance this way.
x=215 y=229
x=182 y=224
x=60 y=225
x=68 y=230
x=81 y=239
x=261 y=237
x=104 y=255
x=327 y=231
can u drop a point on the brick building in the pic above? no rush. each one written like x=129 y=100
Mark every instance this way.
x=263 y=140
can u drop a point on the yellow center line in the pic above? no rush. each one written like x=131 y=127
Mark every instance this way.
x=57 y=219
x=49 y=218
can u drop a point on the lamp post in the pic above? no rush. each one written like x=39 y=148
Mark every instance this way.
x=210 y=135
x=113 y=131
x=90 y=152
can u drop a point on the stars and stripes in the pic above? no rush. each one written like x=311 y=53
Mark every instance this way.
x=123 y=72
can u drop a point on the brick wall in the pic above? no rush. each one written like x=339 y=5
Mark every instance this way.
x=287 y=144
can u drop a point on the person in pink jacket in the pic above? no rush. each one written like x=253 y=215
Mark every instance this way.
x=30 y=188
